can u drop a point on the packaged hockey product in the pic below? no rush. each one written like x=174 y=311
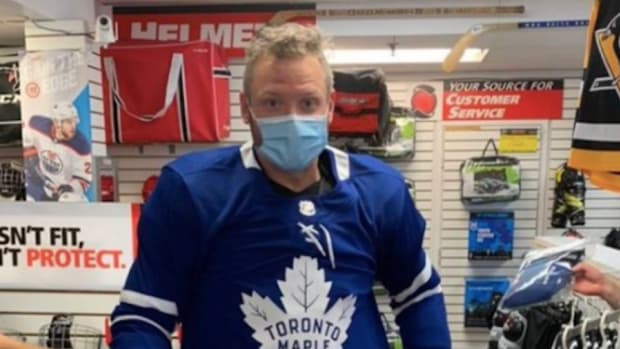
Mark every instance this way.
x=544 y=276
x=482 y=295
x=398 y=141
x=569 y=202
x=491 y=236
x=490 y=178
x=396 y=144
x=362 y=104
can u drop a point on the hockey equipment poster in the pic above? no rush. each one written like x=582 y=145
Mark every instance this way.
x=185 y=97
x=481 y=299
x=491 y=235
x=57 y=129
x=230 y=26
x=10 y=119
x=45 y=246
x=596 y=133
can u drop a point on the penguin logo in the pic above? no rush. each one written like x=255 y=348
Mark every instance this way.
x=607 y=42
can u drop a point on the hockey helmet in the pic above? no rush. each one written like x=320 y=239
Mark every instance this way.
x=65 y=111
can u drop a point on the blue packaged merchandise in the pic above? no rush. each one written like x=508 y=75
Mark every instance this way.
x=481 y=299
x=491 y=235
x=544 y=276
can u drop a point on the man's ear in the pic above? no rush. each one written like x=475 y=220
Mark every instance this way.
x=332 y=106
x=245 y=108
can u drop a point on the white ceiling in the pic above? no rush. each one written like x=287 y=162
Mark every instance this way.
x=549 y=49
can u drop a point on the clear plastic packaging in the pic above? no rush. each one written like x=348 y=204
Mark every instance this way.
x=544 y=276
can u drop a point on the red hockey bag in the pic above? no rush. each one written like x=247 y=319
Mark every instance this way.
x=362 y=104
x=165 y=92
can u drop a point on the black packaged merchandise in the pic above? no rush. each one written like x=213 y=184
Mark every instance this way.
x=362 y=104
x=10 y=116
x=569 y=202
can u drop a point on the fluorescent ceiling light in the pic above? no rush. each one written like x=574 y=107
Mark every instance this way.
x=401 y=56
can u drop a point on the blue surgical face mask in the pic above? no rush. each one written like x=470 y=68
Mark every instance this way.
x=292 y=142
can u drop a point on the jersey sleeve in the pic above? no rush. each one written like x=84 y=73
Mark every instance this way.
x=159 y=281
x=408 y=275
x=81 y=176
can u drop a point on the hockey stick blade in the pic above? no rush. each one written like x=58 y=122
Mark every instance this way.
x=282 y=17
x=470 y=36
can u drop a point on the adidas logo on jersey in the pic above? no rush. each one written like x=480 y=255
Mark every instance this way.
x=305 y=322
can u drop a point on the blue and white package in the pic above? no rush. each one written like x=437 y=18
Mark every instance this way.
x=491 y=235
x=544 y=276
x=482 y=296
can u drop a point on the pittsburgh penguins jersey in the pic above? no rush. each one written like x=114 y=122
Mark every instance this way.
x=596 y=135
x=59 y=162
x=241 y=265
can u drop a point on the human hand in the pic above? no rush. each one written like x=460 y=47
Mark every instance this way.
x=9 y=343
x=590 y=281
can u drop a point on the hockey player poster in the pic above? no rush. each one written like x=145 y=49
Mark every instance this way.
x=491 y=235
x=57 y=131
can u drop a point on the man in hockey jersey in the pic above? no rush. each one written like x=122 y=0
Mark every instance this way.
x=278 y=243
x=56 y=156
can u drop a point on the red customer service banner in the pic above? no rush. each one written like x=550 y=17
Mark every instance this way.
x=492 y=100
x=230 y=26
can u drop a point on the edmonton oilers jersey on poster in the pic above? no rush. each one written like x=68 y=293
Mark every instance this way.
x=241 y=265
x=10 y=119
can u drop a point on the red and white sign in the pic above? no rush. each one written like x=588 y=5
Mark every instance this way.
x=77 y=246
x=232 y=27
x=492 y=100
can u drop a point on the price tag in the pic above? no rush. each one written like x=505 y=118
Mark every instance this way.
x=518 y=141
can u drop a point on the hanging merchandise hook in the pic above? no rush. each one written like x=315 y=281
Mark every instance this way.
x=571 y=324
x=603 y=325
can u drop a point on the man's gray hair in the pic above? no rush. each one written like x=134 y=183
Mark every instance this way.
x=290 y=40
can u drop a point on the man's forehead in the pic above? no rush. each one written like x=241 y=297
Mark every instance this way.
x=304 y=72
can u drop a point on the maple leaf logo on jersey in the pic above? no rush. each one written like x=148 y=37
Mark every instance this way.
x=305 y=321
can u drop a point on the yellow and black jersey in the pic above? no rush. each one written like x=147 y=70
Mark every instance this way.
x=596 y=136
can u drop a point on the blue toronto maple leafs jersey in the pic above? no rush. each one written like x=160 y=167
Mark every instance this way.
x=241 y=265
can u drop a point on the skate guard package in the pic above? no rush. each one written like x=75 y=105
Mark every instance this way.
x=488 y=179
x=544 y=276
